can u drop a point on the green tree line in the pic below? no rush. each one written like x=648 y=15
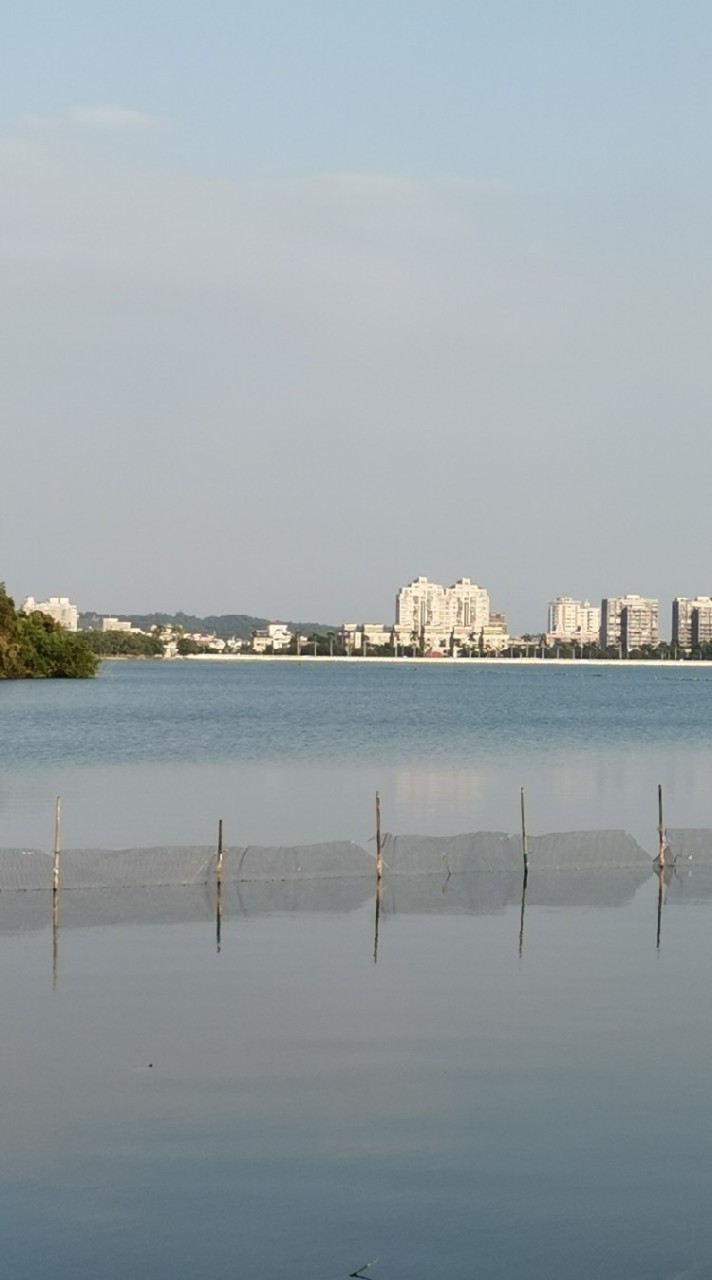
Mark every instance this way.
x=124 y=644
x=33 y=646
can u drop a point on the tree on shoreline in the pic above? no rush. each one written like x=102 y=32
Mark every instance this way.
x=34 y=646
x=124 y=644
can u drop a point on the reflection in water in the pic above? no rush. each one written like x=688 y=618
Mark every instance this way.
x=218 y=915
x=55 y=939
x=472 y=874
x=478 y=893
x=521 y=912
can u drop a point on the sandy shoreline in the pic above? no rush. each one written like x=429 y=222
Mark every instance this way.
x=448 y=662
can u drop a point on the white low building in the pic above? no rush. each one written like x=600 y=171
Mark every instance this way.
x=115 y=624
x=360 y=637
x=274 y=639
x=208 y=640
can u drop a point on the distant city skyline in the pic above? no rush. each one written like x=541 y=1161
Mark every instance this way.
x=297 y=298
x=434 y=616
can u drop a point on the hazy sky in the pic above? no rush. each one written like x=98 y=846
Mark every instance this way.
x=299 y=300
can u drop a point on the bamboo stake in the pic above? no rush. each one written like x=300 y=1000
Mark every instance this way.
x=661 y=828
x=379 y=851
x=219 y=859
x=55 y=859
x=525 y=857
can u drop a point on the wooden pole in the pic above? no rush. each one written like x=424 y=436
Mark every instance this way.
x=525 y=857
x=219 y=859
x=379 y=851
x=55 y=859
x=661 y=828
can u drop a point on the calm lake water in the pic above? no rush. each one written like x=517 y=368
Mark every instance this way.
x=486 y=1100
x=154 y=753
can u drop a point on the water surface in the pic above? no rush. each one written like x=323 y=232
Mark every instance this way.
x=286 y=752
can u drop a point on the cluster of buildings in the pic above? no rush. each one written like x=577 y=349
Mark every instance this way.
x=433 y=619
x=62 y=610
x=629 y=622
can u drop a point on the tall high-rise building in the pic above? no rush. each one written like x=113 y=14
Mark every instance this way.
x=60 y=608
x=629 y=621
x=683 y=610
x=639 y=625
x=430 y=614
x=573 y=620
x=419 y=605
x=701 y=632
x=467 y=606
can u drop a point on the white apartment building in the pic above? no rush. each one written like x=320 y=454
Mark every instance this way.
x=60 y=608
x=115 y=624
x=275 y=638
x=573 y=620
x=365 y=636
x=432 y=615
x=420 y=607
x=629 y=622
x=683 y=611
x=467 y=606
x=701 y=632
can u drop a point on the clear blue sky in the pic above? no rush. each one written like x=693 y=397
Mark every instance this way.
x=299 y=300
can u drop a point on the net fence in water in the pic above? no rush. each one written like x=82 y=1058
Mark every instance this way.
x=688 y=873
x=416 y=855
x=182 y=865
x=476 y=873
x=407 y=855
x=690 y=845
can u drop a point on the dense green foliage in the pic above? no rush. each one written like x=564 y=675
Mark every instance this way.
x=34 y=646
x=124 y=644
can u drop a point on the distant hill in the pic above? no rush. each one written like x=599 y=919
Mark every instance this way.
x=222 y=624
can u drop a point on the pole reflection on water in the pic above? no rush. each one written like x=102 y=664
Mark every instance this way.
x=377 y=920
x=55 y=939
x=521 y=913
